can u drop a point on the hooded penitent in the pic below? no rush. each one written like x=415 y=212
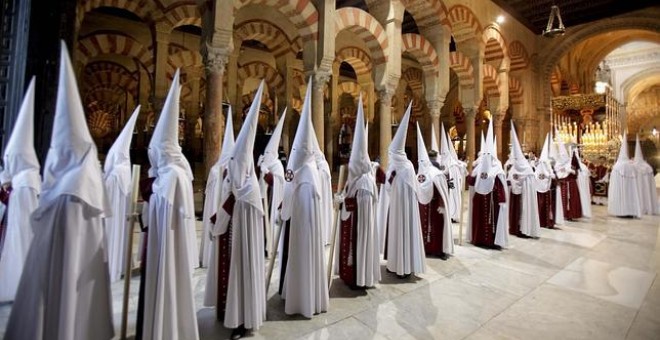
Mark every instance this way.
x=117 y=180
x=521 y=176
x=271 y=166
x=362 y=266
x=172 y=243
x=246 y=285
x=488 y=165
x=22 y=172
x=562 y=160
x=211 y=201
x=543 y=170
x=584 y=185
x=457 y=173
x=430 y=178
x=645 y=182
x=405 y=247
x=622 y=194
x=214 y=187
x=65 y=294
x=305 y=288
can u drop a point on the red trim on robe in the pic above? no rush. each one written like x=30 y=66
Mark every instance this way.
x=348 y=244
x=432 y=225
x=485 y=212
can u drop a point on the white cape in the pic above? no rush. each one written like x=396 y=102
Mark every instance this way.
x=305 y=288
x=22 y=202
x=65 y=293
x=622 y=194
x=439 y=181
x=405 y=246
x=211 y=199
x=169 y=311
x=530 y=224
x=115 y=225
x=584 y=187
x=457 y=173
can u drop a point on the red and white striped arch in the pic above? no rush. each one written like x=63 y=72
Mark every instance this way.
x=519 y=56
x=109 y=74
x=108 y=43
x=464 y=23
x=496 y=47
x=182 y=59
x=350 y=87
x=415 y=79
x=422 y=50
x=261 y=70
x=142 y=9
x=366 y=27
x=462 y=67
x=357 y=58
x=515 y=91
x=491 y=81
x=186 y=14
x=428 y=13
x=266 y=33
x=301 y=13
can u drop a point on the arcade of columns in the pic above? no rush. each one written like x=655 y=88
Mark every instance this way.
x=127 y=52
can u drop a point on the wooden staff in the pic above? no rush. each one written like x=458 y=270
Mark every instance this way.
x=460 y=216
x=336 y=222
x=269 y=231
x=274 y=247
x=132 y=217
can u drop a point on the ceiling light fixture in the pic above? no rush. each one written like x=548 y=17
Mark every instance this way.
x=550 y=31
x=500 y=19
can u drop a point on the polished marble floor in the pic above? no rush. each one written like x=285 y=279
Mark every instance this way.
x=592 y=279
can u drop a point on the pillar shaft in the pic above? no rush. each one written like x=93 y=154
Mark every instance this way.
x=385 y=97
x=214 y=121
x=470 y=114
x=162 y=53
x=318 y=111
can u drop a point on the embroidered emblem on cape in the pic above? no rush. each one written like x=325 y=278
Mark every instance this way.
x=288 y=175
x=483 y=175
x=541 y=176
x=421 y=178
x=516 y=177
x=442 y=168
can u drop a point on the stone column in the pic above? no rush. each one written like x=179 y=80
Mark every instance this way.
x=318 y=113
x=162 y=53
x=194 y=75
x=385 y=97
x=498 y=119
x=434 y=110
x=214 y=121
x=470 y=115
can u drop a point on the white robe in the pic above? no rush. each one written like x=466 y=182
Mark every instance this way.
x=305 y=283
x=115 y=225
x=439 y=181
x=211 y=198
x=367 y=257
x=502 y=225
x=22 y=202
x=326 y=204
x=584 y=187
x=65 y=294
x=530 y=224
x=622 y=194
x=246 y=286
x=211 y=291
x=457 y=173
x=646 y=187
x=169 y=311
x=405 y=246
x=277 y=195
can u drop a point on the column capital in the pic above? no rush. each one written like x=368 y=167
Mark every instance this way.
x=386 y=93
x=435 y=106
x=471 y=112
x=321 y=78
x=163 y=32
x=215 y=59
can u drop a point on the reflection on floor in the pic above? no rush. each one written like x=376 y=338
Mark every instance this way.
x=586 y=280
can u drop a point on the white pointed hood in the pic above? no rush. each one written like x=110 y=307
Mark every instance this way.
x=490 y=140
x=444 y=156
x=546 y=149
x=434 y=138
x=242 y=160
x=72 y=165
x=623 y=151
x=21 y=163
x=482 y=145
x=164 y=149
x=271 y=153
x=304 y=143
x=488 y=167
x=397 y=148
x=639 y=156
x=423 y=159
x=228 y=141
x=359 y=162
x=119 y=154
x=521 y=165
x=543 y=170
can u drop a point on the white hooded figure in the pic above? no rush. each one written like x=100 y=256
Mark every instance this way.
x=584 y=185
x=435 y=210
x=543 y=178
x=359 y=254
x=65 y=294
x=623 y=194
x=212 y=198
x=22 y=174
x=271 y=179
x=645 y=182
x=214 y=187
x=404 y=244
x=117 y=181
x=326 y=192
x=525 y=217
x=488 y=218
x=553 y=150
x=457 y=173
x=169 y=311
x=566 y=170
x=241 y=207
x=304 y=284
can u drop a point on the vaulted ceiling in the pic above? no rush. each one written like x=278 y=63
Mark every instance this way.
x=535 y=13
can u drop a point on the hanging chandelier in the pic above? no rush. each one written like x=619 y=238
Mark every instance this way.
x=550 y=31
